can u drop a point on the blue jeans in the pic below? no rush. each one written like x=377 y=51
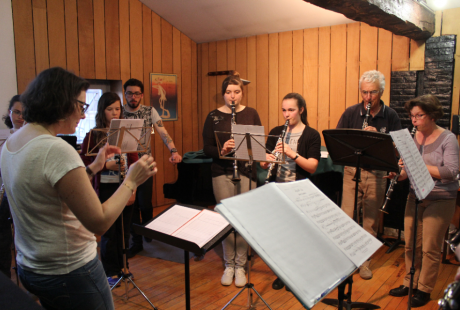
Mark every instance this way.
x=83 y=288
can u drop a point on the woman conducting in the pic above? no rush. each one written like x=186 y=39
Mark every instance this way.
x=106 y=183
x=56 y=211
x=302 y=147
x=235 y=248
x=439 y=150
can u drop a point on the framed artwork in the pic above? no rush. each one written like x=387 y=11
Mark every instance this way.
x=163 y=95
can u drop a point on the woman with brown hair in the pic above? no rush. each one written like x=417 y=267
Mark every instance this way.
x=439 y=150
x=234 y=246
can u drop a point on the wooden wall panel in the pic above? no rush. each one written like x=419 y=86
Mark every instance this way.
x=221 y=65
x=252 y=72
x=285 y=69
x=86 y=38
x=135 y=39
x=324 y=60
x=71 y=36
x=297 y=61
x=56 y=33
x=338 y=73
x=353 y=42
x=400 y=60
x=417 y=55
x=23 y=42
x=40 y=35
x=273 y=69
x=384 y=60
x=262 y=80
x=125 y=68
x=115 y=40
x=112 y=40
x=310 y=74
x=231 y=54
x=213 y=89
x=99 y=42
x=241 y=64
x=205 y=100
x=368 y=48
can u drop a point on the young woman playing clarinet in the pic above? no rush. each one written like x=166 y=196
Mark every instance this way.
x=224 y=175
x=302 y=146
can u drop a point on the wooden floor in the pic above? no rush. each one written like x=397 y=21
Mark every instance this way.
x=163 y=283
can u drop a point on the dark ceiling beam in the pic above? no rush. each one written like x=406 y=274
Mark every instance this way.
x=402 y=17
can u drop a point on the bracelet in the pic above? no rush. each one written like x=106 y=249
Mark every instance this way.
x=130 y=188
x=89 y=172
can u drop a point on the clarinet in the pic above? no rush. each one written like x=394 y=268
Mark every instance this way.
x=277 y=154
x=394 y=181
x=236 y=175
x=368 y=112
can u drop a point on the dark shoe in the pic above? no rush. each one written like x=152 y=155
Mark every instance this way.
x=400 y=291
x=132 y=251
x=277 y=284
x=420 y=299
x=147 y=239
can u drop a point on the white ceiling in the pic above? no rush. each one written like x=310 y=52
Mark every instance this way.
x=213 y=20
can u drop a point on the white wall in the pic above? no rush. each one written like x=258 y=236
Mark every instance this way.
x=8 y=80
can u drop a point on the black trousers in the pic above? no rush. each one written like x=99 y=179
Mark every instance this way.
x=143 y=209
x=111 y=240
x=6 y=237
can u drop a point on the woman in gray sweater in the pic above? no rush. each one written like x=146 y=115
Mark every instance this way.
x=439 y=150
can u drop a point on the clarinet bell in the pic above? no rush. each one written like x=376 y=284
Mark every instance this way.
x=382 y=209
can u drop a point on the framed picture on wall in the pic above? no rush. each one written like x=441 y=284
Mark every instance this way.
x=163 y=95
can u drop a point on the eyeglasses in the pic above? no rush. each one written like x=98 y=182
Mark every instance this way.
x=130 y=94
x=84 y=107
x=417 y=117
x=16 y=112
x=372 y=93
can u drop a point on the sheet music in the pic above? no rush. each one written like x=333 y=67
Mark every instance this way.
x=173 y=219
x=289 y=241
x=356 y=243
x=205 y=226
x=258 y=150
x=414 y=165
x=129 y=143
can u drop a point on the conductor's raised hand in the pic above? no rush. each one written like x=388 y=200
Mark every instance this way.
x=141 y=170
x=105 y=152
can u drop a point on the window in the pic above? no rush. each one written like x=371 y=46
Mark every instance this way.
x=85 y=125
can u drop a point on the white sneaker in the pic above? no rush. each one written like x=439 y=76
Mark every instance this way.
x=227 y=277
x=240 y=277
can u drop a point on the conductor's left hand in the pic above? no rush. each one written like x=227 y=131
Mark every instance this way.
x=106 y=152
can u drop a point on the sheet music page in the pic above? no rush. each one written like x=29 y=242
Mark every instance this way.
x=129 y=143
x=173 y=219
x=202 y=228
x=288 y=241
x=258 y=150
x=356 y=243
x=414 y=165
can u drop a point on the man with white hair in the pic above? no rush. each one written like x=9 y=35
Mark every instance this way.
x=371 y=190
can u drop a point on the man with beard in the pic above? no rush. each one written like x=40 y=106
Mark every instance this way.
x=134 y=93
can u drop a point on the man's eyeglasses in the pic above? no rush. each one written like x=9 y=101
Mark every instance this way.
x=84 y=107
x=130 y=94
x=417 y=117
x=16 y=112
x=372 y=93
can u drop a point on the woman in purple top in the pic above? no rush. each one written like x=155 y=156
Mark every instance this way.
x=439 y=150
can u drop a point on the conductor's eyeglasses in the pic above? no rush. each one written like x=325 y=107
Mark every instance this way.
x=84 y=107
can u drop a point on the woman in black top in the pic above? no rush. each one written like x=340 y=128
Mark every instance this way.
x=235 y=247
x=302 y=147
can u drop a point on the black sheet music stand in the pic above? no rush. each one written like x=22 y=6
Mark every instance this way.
x=185 y=245
x=360 y=149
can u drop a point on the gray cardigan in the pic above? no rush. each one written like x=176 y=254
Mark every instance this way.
x=442 y=153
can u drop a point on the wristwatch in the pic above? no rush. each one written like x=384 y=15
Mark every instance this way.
x=296 y=156
x=173 y=150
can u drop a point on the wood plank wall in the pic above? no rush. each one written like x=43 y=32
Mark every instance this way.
x=323 y=64
x=114 y=40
